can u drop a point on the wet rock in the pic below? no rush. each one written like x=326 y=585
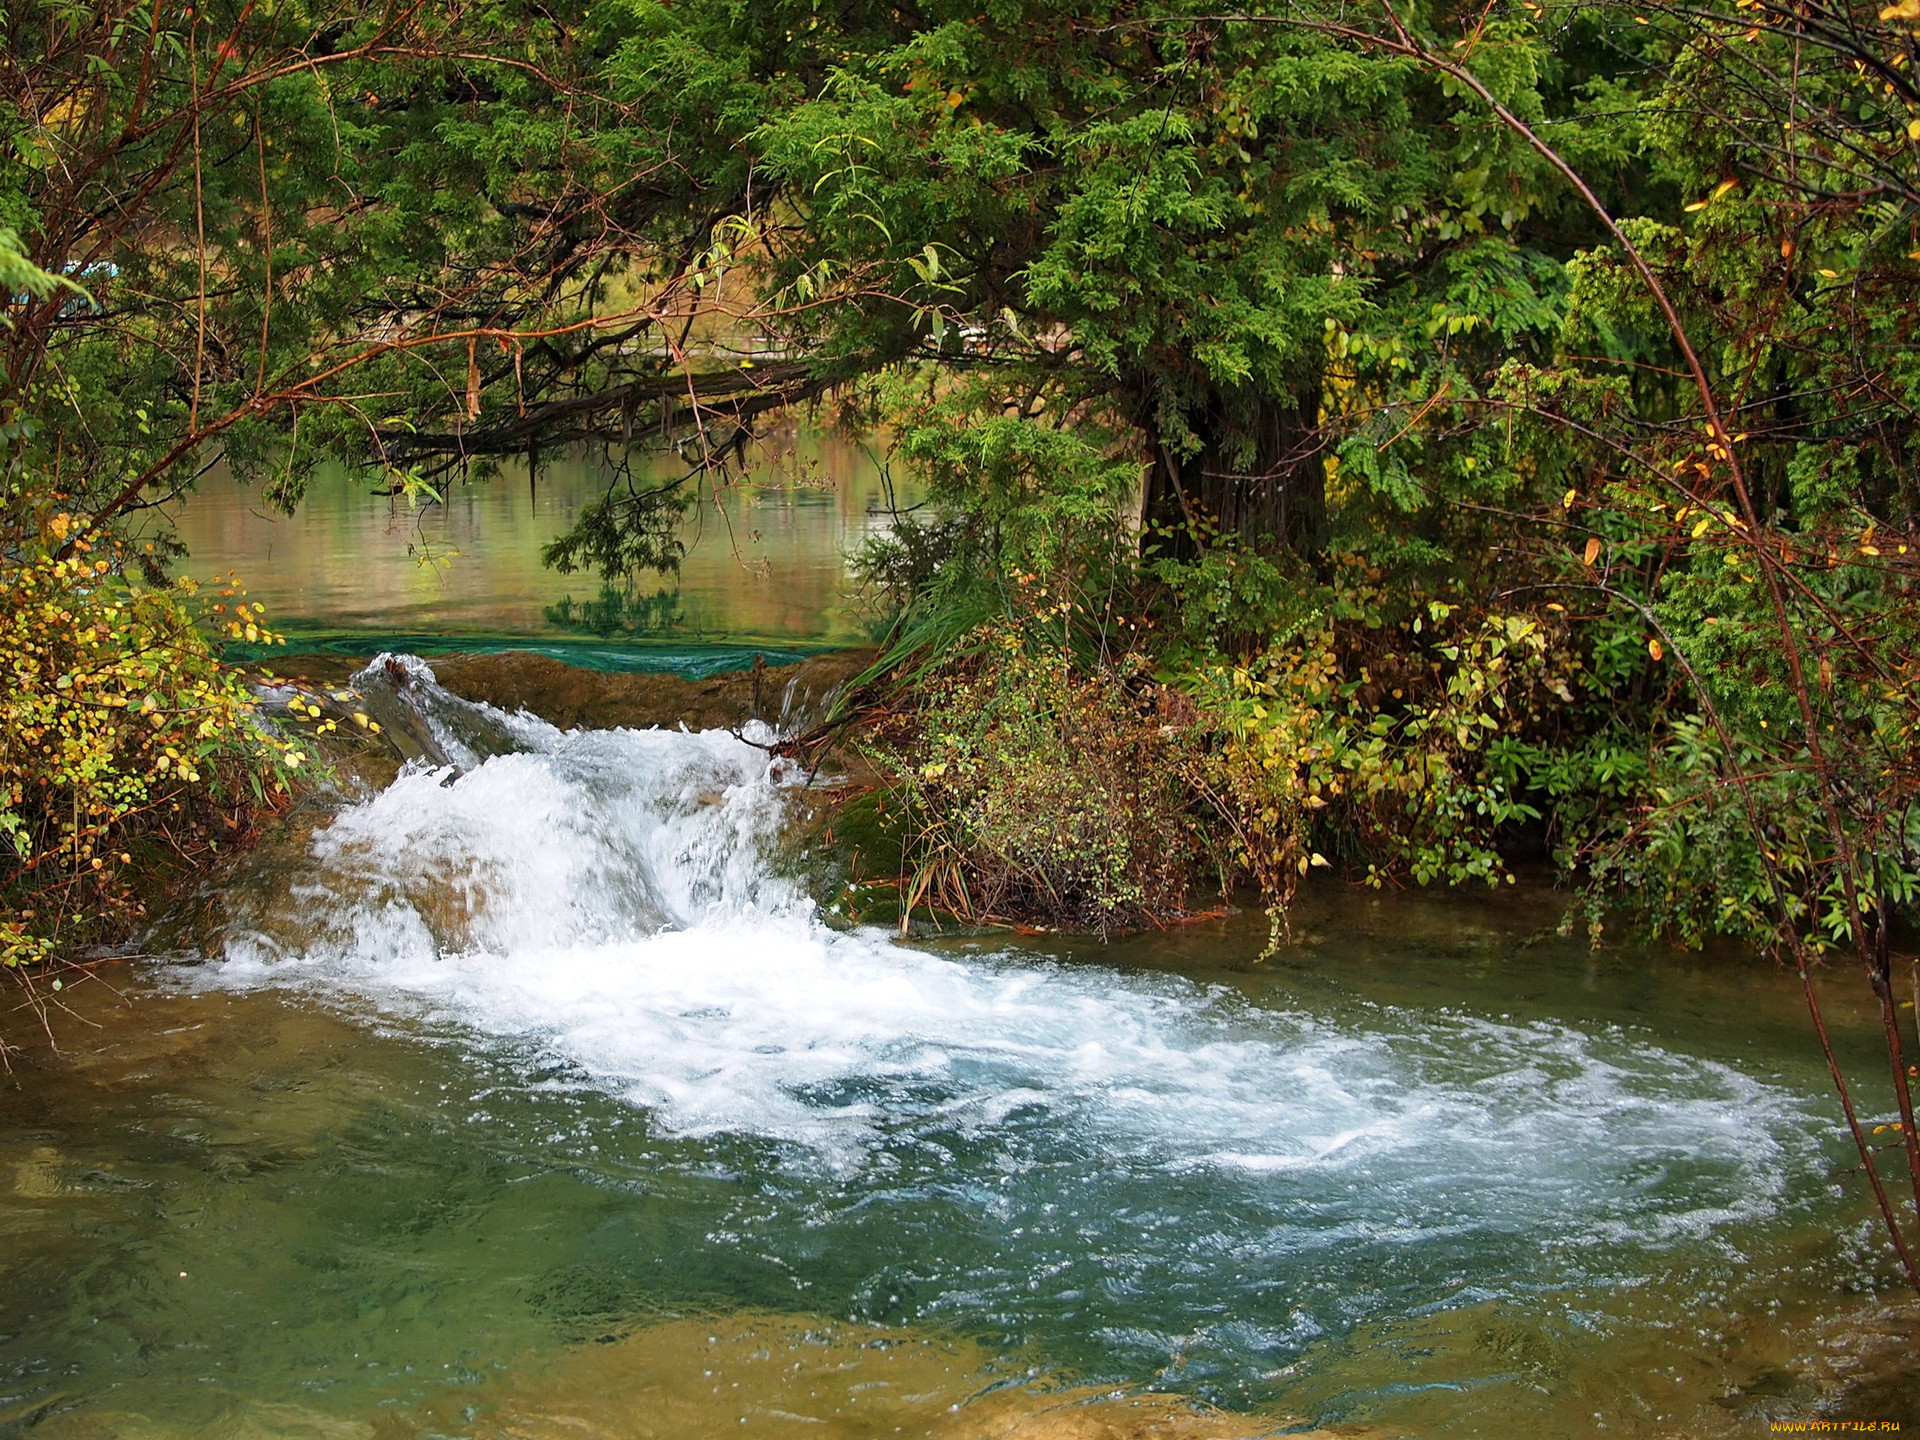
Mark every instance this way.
x=573 y=698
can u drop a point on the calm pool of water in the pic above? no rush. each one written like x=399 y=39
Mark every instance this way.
x=766 y=557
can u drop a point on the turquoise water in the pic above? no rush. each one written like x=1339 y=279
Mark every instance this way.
x=695 y=659
x=377 y=1216
x=531 y=1100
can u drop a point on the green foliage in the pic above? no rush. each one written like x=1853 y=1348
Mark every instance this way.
x=1696 y=865
x=1025 y=524
x=19 y=275
x=1228 y=599
x=1129 y=208
x=381 y=239
x=1778 y=210
x=1399 y=776
x=1038 y=495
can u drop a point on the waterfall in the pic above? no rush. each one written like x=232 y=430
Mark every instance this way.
x=613 y=901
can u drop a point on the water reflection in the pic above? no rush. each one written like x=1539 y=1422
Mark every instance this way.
x=617 y=612
x=766 y=556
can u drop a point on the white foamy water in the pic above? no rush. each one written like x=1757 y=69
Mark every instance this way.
x=608 y=897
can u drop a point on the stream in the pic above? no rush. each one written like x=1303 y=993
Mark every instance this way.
x=532 y=1096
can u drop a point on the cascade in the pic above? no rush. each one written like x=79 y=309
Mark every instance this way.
x=613 y=900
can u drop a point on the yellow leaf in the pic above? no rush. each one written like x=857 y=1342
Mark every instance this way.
x=1656 y=650
x=1566 y=500
x=1831 y=274
x=1723 y=187
x=1593 y=550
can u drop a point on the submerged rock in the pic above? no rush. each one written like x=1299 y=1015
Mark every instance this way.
x=773 y=1376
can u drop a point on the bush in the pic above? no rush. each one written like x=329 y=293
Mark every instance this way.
x=1039 y=785
x=1690 y=862
x=1029 y=791
x=120 y=733
x=1311 y=748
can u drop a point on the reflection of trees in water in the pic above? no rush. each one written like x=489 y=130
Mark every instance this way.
x=617 y=610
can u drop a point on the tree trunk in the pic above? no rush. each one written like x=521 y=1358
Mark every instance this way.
x=1258 y=476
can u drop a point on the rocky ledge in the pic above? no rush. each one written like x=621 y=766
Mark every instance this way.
x=575 y=699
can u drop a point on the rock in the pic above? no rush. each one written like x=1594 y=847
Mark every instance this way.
x=578 y=699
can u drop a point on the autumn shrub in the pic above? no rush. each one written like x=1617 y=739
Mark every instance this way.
x=1400 y=780
x=1030 y=789
x=124 y=742
x=1039 y=788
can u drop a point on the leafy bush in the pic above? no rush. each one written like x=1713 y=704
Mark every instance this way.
x=1025 y=523
x=1033 y=792
x=1306 y=747
x=1737 y=845
x=120 y=732
x=1037 y=788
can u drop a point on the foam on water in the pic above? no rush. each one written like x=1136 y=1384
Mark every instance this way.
x=609 y=898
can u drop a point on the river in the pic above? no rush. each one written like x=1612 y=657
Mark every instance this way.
x=532 y=1097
